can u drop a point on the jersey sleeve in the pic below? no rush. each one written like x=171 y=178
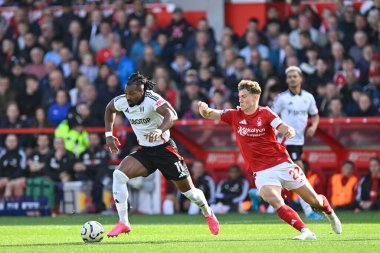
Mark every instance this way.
x=117 y=102
x=273 y=118
x=313 y=109
x=277 y=104
x=160 y=101
x=227 y=116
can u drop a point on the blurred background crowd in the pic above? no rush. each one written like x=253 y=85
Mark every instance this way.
x=61 y=70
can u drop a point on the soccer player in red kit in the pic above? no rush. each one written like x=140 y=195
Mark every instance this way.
x=254 y=127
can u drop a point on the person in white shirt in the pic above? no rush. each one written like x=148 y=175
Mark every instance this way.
x=294 y=107
x=151 y=117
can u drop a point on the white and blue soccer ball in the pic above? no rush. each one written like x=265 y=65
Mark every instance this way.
x=92 y=231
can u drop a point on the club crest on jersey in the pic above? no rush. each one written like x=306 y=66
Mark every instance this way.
x=142 y=109
x=259 y=122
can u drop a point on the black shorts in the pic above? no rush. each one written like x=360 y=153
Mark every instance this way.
x=165 y=158
x=295 y=152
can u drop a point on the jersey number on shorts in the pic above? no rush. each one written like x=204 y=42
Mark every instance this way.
x=296 y=173
x=181 y=169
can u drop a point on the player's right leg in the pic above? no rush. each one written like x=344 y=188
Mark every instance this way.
x=272 y=195
x=129 y=168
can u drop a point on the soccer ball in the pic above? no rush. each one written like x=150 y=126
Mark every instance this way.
x=92 y=231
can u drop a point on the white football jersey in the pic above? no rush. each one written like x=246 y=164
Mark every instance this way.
x=294 y=110
x=143 y=117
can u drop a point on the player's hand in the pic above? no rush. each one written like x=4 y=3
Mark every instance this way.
x=204 y=110
x=112 y=143
x=310 y=131
x=154 y=135
x=290 y=133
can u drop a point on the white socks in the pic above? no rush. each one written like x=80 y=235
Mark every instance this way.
x=197 y=197
x=120 y=195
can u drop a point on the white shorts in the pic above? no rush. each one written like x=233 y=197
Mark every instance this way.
x=286 y=175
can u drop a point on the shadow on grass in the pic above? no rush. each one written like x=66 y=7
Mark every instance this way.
x=169 y=242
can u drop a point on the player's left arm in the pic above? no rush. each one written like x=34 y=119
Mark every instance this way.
x=170 y=117
x=286 y=131
x=314 y=125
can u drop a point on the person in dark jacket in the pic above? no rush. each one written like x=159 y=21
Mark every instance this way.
x=12 y=164
x=368 y=192
x=92 y=166
x=203 y=181
x=231 y=192
x=59 y=164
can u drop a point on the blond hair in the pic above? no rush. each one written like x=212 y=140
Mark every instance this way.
x=251 y=86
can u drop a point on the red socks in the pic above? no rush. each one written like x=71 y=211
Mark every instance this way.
x=326 y=205
x=291 y=217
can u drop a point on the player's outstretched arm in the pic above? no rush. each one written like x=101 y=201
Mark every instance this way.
x=209 y=113
x=286 y=131
x=109 y=118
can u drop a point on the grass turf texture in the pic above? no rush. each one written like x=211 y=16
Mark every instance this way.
x=183 y=233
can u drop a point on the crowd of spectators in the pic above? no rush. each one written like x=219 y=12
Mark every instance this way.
x=52 y=67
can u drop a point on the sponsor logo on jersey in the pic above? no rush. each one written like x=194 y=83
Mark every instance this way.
x=297 y=112
x=243 y=122
x=139 y=121
x=252 y=132
x=127 y=110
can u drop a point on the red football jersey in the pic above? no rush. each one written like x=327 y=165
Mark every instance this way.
x=255 y=135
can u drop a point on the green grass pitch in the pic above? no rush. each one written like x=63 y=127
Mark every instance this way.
x=182 y=233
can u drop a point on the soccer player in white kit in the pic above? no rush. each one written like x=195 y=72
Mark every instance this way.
x=151 y=117
x=294 y=107
x=254 y=127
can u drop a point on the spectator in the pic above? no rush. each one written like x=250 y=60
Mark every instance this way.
x=74 y=36
x=59 y=164
x=56 y=82
x=179 y=29
x=100 y=40
x=366 y=108
x=7 y=95
x=75 y=137
x=148 y=63
x=231 y=192
x=193 y=112
x=133 y=35
x=137 y=50
x=30 y=98
x=53 y=55
x=12 y=165
x=58 y=111
x=191 y=92
x=139 y=12
x=66 y=56
x=252 y=40
x=204 y=182
x=88 y=68
x=368 y=197
x=110 y=90
x=342 y=187
x=304 y=26
x=373 y=88
x=121 y=64
x=36 y=67
x=121 y=25
x=36 y=163
x=92 y=166
x=335 y=108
